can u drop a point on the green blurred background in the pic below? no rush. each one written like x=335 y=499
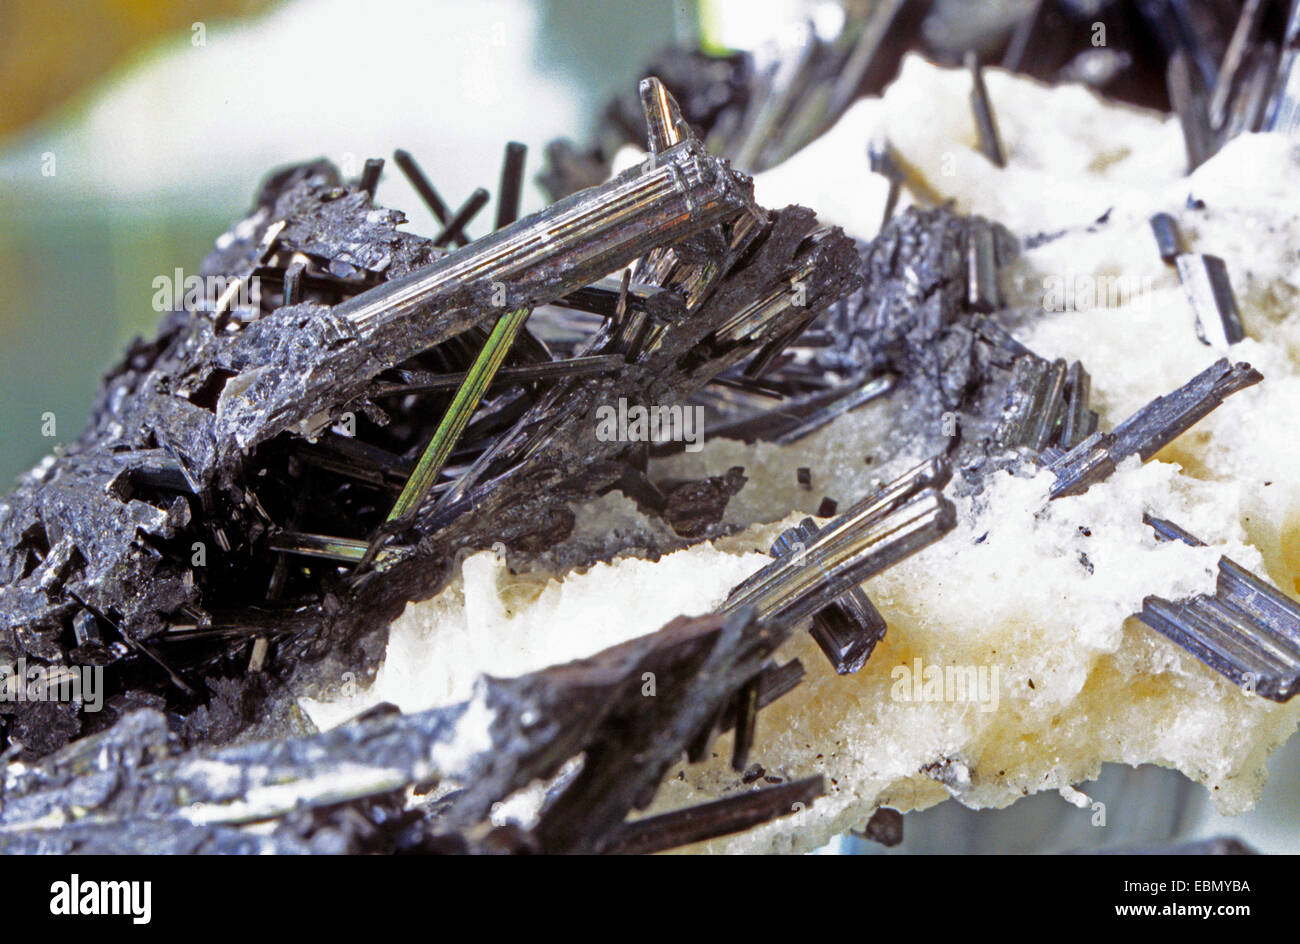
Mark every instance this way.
x=160 y=118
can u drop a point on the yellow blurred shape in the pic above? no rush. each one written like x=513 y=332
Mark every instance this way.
x=51 y=51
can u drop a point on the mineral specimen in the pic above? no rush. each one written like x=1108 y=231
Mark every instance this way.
x=237 y=438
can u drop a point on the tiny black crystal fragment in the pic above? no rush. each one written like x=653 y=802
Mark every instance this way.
x=1169 y=241
x=884 y=827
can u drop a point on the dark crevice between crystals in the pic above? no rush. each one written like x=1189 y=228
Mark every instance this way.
x=215 y=504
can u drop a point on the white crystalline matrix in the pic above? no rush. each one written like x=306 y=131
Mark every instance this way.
x=1012 y=664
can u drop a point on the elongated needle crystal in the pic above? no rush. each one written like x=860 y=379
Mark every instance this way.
x=1282 y=112
x=730 y=814
x=512 y=183
x=1205 y=279
x=343 y=550
x=986 y=125
x=982 y=289
x=458 y=414
x=880 y=154
x=1233 y=59
x=571 y=243
x=1151 y=428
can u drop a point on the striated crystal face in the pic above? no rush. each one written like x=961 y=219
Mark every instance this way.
x=1013 y=661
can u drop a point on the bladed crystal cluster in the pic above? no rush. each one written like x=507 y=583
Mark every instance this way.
x=267 y=485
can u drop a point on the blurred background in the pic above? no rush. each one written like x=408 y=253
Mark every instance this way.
x=133 y=133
